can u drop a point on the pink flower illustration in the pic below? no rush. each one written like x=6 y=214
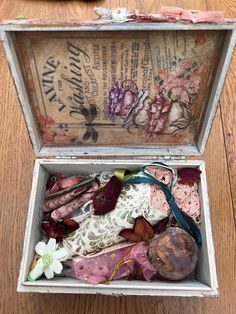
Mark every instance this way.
x=55 y=136
x=179 y=87
x=52 y=135
x=185 y=65
x=183 y=83
x=157 y=114
x=45 y=120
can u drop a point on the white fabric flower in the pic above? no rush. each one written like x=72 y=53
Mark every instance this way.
x=49 y=261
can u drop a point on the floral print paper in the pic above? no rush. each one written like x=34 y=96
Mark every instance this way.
x=133 y=89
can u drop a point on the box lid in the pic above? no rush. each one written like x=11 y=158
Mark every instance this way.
x=103 y=87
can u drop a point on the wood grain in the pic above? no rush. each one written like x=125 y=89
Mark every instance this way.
x=16 y=164
x=228 y=112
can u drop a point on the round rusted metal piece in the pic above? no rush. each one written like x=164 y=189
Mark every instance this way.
x=174 y=254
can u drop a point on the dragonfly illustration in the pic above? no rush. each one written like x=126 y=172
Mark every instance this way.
x=90 y=115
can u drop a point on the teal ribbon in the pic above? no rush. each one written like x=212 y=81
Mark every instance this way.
x=183 y=220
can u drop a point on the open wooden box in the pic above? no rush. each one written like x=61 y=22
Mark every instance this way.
x=68 y=78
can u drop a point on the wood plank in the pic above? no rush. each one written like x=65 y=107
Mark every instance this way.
x=227 y=104
x=228 y=113
x=83 y=9
x=15 y=181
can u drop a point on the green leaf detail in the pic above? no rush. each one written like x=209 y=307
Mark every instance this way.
x=181 y=75
x=157 y=78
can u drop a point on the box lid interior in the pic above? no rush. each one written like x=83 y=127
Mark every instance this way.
x=124 y=90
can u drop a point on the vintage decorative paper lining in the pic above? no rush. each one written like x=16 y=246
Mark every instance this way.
x=119 y=89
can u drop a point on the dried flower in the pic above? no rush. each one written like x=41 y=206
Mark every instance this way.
x=189 y=175
x=142 y=231
x=105 y=199
x=60 y=229
x=162 y=225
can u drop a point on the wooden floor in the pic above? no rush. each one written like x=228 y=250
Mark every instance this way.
x=16 y=164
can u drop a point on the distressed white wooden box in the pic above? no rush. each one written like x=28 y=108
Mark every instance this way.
x=204 y=281
x=53 y=157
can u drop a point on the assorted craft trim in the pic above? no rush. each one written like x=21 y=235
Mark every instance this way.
x=166 y=14
x=118 y=225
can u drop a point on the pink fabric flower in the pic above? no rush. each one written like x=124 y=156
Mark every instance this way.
x=53 y=184
x=132 y=260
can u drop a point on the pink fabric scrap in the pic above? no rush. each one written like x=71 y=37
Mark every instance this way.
x=99 y=268
x=68 y=208
x=158 y=199
x=176 y=14
x=188 y=200
x=161 y=174
x=186 y=196
x=193 y=16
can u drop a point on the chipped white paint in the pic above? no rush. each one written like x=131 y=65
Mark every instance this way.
x=118 y=151
x=224 y=63
x=102 y=26
x=8 y=46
